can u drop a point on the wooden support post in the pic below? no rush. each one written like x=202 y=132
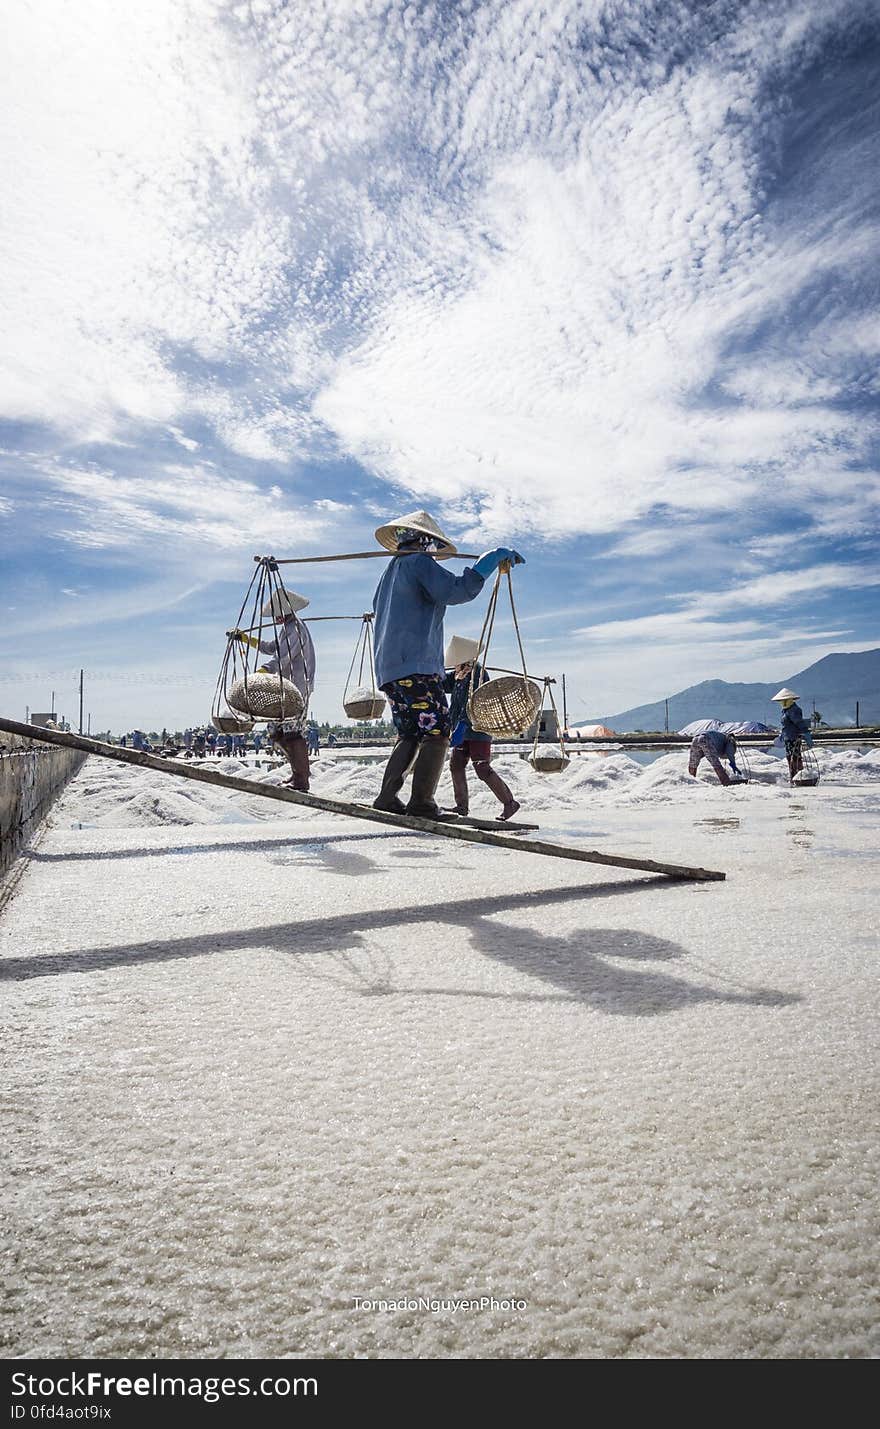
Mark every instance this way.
x=353 y=811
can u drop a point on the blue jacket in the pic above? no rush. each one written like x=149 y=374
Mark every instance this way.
x=409 y=606
x=458 y=715
x=793 y=724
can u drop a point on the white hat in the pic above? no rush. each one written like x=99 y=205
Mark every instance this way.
x=785 y=694
x=415 y=521
x=284 y=603
x=460 y=651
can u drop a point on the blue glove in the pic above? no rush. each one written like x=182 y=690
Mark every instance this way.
x=491 y=560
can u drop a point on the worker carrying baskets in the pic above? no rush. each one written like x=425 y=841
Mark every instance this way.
x=409 y=605
x=280 y=689
x=796 y=736
x=469 y=744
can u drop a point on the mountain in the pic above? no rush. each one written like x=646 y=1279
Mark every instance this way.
x=833 y=683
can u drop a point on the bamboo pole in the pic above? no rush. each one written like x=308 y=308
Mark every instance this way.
x=358 y=556
x=538 y=679
x=306 y=620
x=351 y=811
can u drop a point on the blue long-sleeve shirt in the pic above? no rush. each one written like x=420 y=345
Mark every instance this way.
x=793 y=725
x=409 y=606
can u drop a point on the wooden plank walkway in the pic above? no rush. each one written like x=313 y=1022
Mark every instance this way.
x=462 y=833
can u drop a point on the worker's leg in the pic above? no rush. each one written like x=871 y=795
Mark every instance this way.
x=481 y=753
x=401 y=761
x=420 y=714
x=426 y=776
x=723 y=776
x=420 y=711
x=296 y=749
x=458 y=769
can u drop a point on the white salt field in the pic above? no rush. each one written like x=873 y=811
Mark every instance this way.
x=263 y=1065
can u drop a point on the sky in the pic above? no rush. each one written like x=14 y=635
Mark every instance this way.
x=596 y=278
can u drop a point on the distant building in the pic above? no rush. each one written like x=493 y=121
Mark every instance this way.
x=548 y=728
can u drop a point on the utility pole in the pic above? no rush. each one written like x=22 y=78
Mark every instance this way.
x=666 y=702
x=52 y=706
x=564 y=706
x=27 y=714
x=89 y=730
x=81 y=701
x=857 y=715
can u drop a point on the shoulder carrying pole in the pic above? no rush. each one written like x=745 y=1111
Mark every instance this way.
x=354 y=556
x=350 y=811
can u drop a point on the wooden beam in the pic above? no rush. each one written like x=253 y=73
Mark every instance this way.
x=350 y=811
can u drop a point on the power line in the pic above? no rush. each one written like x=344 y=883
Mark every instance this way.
x=140 y=677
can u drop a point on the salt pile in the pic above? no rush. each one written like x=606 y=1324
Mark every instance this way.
x=116 y=796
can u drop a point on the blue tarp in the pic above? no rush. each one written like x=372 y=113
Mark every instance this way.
x=744 y=726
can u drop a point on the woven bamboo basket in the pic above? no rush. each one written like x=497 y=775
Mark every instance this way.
x=266 y=696
x=549 y=763
x=507 y=705
x=232 y=724
x=364 y=704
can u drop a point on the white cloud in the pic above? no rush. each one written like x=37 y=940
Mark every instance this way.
x=780 y=587
x=516 y=311
x=559 y=388
x=513 y=256
x=704 y=615
x=177 y=508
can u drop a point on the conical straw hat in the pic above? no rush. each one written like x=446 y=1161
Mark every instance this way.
x=415 y=521
x=284 y=603
x=460 y=651
x=785 y=694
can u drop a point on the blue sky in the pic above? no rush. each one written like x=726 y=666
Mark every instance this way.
x=596 y=278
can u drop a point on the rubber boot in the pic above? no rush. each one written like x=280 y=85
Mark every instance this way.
x=297 y=752
x=458 y=770
x=426 y=776
x=396 y=770
x=483 y=770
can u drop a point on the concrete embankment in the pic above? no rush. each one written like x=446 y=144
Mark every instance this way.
x=32 y=776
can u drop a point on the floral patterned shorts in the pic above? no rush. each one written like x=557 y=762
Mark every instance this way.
x=296 y=726
x=419 y=708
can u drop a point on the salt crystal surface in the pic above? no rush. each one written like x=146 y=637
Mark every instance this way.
x=256 y=1069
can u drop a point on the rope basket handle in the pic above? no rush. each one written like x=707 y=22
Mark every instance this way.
x=277 y=590
x=548 y=694
x=364 y=648
x=489 y=625
x=233 y=653
x=266 y=586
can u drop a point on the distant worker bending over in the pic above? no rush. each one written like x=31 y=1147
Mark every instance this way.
x=409 y=605
x=715 y=745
